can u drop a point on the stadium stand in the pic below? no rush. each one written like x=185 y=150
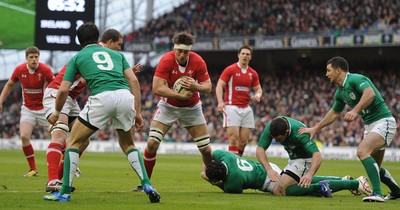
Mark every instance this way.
x=304 y=95
x=267 y=17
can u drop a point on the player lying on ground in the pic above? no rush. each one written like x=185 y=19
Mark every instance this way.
x=233 y=174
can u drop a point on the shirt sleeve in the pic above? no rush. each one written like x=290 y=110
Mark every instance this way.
x=265 y=138
x=203 y=71
x=15 y=75
x=72 y=71
x=338 y=103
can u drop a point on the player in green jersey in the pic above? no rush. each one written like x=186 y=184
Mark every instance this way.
x=358 y=92
x=233 y=174
x=304 y=156
x=115 y=95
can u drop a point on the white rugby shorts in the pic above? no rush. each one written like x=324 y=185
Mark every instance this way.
x=117 y=105
x=35 y=117
x=385 y=127
x=236 y=116
x=186 y=116
x=70 y=108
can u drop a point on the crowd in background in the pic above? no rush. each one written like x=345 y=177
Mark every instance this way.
x=208 y=18
x=305 y=95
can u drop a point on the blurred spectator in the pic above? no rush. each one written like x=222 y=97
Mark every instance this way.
x=208 y=18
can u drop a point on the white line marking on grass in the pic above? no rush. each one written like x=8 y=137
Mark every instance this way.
x=85 y=191
x=20 y=9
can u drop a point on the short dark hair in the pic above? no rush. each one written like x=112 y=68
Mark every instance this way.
x=32 y=49
x=112 y=34
x=245 y=47
x=88 y=33
x=215 y=171
x=339 y=62
x=183 y=38
x=278 y=126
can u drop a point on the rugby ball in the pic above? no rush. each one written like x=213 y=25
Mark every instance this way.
x=178 y=85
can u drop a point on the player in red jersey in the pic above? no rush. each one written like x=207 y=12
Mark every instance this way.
x=185 y=107
x=111 y=39
x=238 y=80
x=33 y=77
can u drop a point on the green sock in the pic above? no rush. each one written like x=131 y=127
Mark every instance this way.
x=337 y=185
x=372 y=169
x=317 y=179
x=388 y=180
x=136 y=162
x=296 y=190
x=71 y=162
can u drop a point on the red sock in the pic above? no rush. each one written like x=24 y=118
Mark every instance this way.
x=61 y=166
x=149 y=161
x=233 y=149
x=30 y=156
x=53 y=156
x=240 y=152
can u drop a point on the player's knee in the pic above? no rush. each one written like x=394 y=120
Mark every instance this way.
x=156 y=136
x=59 y=126
x=202 y=142
x=278 y=190
x=362 y=153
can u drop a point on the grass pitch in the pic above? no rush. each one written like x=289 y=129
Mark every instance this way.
x=107 y=181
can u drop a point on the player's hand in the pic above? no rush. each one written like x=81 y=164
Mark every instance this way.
x=221 y=106
x=1 y=108
x=52 y=119
x=256 y=98
x=189 y=83
x=350 y=116
x=305 y=181
x=186 y=95
x=139 y=122
x=273 y=175
x=137 y=68
x=310 y=131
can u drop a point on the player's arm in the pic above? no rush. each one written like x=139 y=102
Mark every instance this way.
x=134 y=86
x=160 y=88
x=367 y=97
x=219 y=92
x=305 y=181
x=61 y=97
x=257 y=94
x=192 y=85
x=6 y=91
x=263 y=159
x=329 y=118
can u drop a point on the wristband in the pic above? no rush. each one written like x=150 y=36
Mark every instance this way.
x=259 y=95
x=56 y=113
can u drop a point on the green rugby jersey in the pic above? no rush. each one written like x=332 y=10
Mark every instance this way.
x=242 y=173
x=102 y=68
x=296 y=145
x=350 y=93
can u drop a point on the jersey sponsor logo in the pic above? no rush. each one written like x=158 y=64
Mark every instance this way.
x=241 y=88
x=33 y=91
x=23 y=75
x=174 y=72
x=238 y=74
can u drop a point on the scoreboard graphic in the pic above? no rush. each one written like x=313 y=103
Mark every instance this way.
x=56 y=23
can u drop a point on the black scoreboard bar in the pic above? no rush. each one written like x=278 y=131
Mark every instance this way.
x=56 y=23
